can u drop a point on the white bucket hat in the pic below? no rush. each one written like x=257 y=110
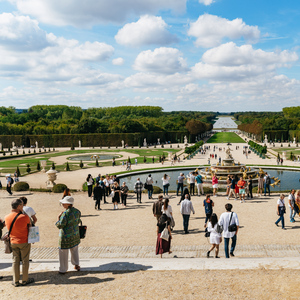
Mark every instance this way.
x=67 y=200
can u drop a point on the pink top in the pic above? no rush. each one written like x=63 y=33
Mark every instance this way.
x=214 y=180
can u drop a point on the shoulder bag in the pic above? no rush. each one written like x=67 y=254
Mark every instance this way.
x=165 y=233
x=232 y=227
x=6 y=237
x=82 y=230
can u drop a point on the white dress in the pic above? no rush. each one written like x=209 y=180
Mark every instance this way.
x=215 y=237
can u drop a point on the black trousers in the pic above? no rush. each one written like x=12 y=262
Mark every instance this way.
x=192 y=188
x=8 y=188
x=139 y=197
x=97 y=202
x=124 y=198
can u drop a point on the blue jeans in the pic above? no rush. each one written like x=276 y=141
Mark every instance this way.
x=179 y=187
x=292 y=215
x=150 y=191
x=166 y=189
x=281 y=218
x=186 y=219
x=267 y=187
x=226 y=245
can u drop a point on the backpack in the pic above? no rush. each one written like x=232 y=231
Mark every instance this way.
x=11 y=181
x=268 y=180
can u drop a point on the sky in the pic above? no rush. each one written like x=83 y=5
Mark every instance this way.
x=198 y=55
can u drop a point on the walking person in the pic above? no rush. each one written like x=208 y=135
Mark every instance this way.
x=185 y=209
x=103 y=188
x=215 y=182
x=229 y=218
x=228 y=184
x=167 y=209
x=166 y=184
x=90 y=183
x=17 y=223
x=185 y=192
x=215 y=237
x=149 y=186
x=180 y=183
x=9 y=183
x=199 y=181
x=292 y=205
x=250 y=187
x=116 y=194
x=267 y=182
x=124 y=193
x=208 y=207
x=232 y=188
x=69 y=238
x=162 y=245
x=138 y=188
x=192 y=177
x=281 y=211
x=97 y=194
x=157 y=207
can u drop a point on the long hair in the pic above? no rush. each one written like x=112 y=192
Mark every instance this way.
x=166 y=203
x=213 y=220
x=165 y=176
x=163 y=219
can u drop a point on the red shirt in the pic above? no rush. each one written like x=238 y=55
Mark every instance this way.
x=19 y=232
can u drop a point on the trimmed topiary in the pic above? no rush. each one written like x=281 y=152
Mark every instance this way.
x=81 y=164
x=21 y=186
x=28 y=170
x=59 y=188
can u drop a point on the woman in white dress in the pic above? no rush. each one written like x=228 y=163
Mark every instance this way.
x=215 y=237
x=167 y=209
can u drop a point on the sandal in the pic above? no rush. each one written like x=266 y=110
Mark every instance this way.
x=30 y=280
x=77 y=268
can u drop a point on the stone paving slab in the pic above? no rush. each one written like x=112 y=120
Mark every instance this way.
x=193 y=251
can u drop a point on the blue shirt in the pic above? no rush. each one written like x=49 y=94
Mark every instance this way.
x=199 y=179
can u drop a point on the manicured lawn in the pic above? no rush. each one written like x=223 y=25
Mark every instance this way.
x=225 y=137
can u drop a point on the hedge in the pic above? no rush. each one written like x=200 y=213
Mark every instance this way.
x=21 y=186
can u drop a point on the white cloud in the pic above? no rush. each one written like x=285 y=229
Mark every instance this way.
x=206 y=2
x=89 y=12
x=161 y=60
x=21 y=33
x=229 y=62
x=147 y=30
x=118 y=61
x=210 y=30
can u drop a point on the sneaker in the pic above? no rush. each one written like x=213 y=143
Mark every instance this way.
x=231 y=254
x=227 y=198
x=207 y=254
x=276 y=224
x=241 y=201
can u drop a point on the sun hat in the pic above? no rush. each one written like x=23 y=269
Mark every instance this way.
x=67 y=200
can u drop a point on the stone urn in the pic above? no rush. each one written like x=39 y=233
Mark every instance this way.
x=52 y=175
x=43 y=165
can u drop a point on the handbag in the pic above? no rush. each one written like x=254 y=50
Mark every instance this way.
x=165 y=233
x=82 y=230
x=219 y=229
x=33 y=235
x=232 y=227
x=6 y=237
x=207 y=233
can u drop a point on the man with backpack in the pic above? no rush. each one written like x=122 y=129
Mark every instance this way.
x=267 y=182
x=9 y=183
x=199 y=181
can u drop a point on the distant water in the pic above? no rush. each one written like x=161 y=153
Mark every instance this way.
x=225 y=123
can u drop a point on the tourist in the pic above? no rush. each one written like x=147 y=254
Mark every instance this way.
x=162 y=245
x=185 y=192
x=215 y=184
x=232 y=188
x=138 y=188
x=185 y=209
x=16 y=176
x=199 y=181
x=69 y=238
x=107 y=185
x=267 y=182
x=236 y=179
x=166 y=184
x=113 y=162
x=260 y=185
x=29 y=211
x=229 y=218
x=135 y=161
x=250 y=187
x=19 y=242
x=98 y=178
x=124 y=193
x=281 y=211
x=117 y=179
x=208 y=207
x=157 y=207
x=167 y=209
x=241 y=184
x=97 y=193
x=192 y=177
x=228 y=184
x=9 y=183
x=116 y=194
x=292 y=202
x=90 y=183
x=103 y=188
x=149 y=186
x=297 y=202
x=215 y=237
x=180 y=183
x=66 y=192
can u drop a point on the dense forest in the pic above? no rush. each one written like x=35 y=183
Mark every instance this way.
x=62 y=119
x=283 y=125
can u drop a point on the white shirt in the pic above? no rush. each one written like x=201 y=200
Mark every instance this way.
x=224 y=221
x=280 y=202
x=192 y=178
x=292 y=198
x=167 y=211
x=165 y=181
x=186 y=207
x=29 y=211
x=149 y=180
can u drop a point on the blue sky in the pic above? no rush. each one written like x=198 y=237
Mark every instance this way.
x=204 y=55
